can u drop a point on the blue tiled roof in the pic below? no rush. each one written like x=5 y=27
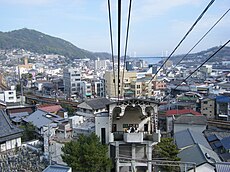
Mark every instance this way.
x=226 y=142
x=212 y=138
x=57 y=168
x=224 y=99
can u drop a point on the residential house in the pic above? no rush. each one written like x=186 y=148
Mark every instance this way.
x=223 y=107
x=57 y=168
x=195 y=148
x=10 y=135
x=204 y=158
x=195 y=123
x=170 y=115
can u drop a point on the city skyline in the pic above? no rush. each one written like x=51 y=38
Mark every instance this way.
x=156 y=27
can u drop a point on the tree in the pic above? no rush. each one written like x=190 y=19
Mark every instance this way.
x=87 y=154
x=69 y=109
x=167 y=150
x=28 y=133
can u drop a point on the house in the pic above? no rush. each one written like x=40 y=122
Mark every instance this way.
x=90 y=107
x=57 y=168
x=170 y=115
x=204 y=157
x=17 y=118
x=195 y=123
x=10 y=135
x=192 y=138
x=223 y=107
x=208 y=107
x=51 y=108
x=130 y=128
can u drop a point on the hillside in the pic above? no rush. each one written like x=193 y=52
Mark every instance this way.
x=38 y=42
x=222 y=55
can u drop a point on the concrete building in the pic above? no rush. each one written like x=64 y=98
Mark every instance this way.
x=98 y=88
x=8 y=96
x=130 y=128
x=72 y=81
x=208 y=107
x=223 y=107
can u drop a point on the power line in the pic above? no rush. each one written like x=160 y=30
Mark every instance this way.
x=203 y=63
x=191 y=28
x=126 y=44
x=202 y=37
x=111 y=42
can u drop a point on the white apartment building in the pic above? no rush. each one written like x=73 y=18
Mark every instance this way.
x=72 y=81
x=130 y=129
x=8 y=96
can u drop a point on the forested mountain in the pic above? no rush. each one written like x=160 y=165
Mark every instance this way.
x=41 y=43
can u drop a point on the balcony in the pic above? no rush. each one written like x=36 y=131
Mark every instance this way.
x=133 y=137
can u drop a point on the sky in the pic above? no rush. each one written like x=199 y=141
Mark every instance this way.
x=156 y=26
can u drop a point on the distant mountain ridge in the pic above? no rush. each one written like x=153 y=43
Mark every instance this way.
x=41 y=43
x=222 y=55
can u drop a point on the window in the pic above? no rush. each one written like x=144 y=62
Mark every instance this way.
x=103 y=136
x=138 y=86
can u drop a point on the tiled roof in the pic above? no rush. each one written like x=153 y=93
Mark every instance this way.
x=199 y=155
x=226 y=143
x=57 y=168
x=182 y=112
x=224 y=99
x=192 y=120
x=189 y=137
x=98 y=103
x=49 y=108
x=7 y=130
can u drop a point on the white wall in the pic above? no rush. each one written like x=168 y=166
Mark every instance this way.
x=10 y=144
x=102 y=122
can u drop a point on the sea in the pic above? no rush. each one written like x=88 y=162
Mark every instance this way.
x=149 y=60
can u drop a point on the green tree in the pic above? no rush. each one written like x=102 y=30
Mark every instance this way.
x=87 y=154
x=167 y=150
x=29 y=132
x=69 y=109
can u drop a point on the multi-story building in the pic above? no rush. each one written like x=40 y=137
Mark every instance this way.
x=101 y=64
x=130 y=128
x=223 y=107
x=208 y=107
x=111 y=84
x=72 y=81
x=98 y=88
x=8 y=96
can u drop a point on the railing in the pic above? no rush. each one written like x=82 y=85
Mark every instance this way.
x=128 y=137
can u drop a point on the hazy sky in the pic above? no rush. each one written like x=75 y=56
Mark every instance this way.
x=156 y=26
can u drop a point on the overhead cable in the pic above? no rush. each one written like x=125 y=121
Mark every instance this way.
x=126 y=45
x=197 y=20
x=111 y=42
x=202 y=37
x=202 y=64
x=119 y=46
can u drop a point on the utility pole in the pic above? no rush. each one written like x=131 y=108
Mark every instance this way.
x=20 y=80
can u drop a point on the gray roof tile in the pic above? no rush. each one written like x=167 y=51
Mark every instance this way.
x=7 y=130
